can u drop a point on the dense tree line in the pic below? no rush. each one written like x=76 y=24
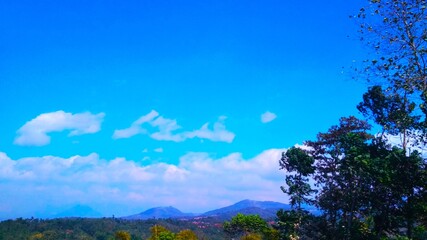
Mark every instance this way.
x=108 y=229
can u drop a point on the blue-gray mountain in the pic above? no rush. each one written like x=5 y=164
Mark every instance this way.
x=266 y=209
x=159 y=212
x=79 y=211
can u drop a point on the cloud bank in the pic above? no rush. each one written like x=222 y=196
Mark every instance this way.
x=166 y=130
x=199 y=182
x=35 y=132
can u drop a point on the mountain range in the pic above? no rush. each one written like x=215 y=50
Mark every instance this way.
x=266 y=209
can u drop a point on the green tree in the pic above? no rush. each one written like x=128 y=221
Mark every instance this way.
x=242 y=225
x=340 y=156
x=186 y=234
x=161 y=233
x=367 y=187
x=299 y=165
x=393 y=112
x=36 y=236
x=297 y=161
x=122 y=235
x=252 y=236
x=397 y=32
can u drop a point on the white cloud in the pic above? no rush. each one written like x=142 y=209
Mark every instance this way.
x=135 y=128
x=35 y=132
x=218 y=134
x=198 y=182
x=413 y=142
x=166 y=130
x=267 y=117
x=159 y=150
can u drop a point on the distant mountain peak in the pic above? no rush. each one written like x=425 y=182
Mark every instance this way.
x=79 y=210
x=159 y=212
x=247 y=206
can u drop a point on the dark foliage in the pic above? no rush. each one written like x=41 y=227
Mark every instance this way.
x=102 y=228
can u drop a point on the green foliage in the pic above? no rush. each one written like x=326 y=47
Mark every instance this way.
x=186 y=234
x=397 y=32
x=161 y=233
x=252 y=236
x=271 y=234
x=250 y=227
x=288 y=223
x=367 y=189
x=241 y=225
x=298 y=161
x=122 y=235
x=105 y=229
x=36 y=236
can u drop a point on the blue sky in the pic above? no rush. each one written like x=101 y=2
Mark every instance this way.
x=133 y=104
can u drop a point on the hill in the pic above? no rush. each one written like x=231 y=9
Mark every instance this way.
x=266 y=209
x=159 y=213
x=79 y=211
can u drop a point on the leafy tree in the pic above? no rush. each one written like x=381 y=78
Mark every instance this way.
x=186 y=234
x=288 y=224
x=242 y=225
x=298 y=161
x=396 y=31
x=161 y=233
x=367 y=189
x=340 y=160
x=393 y=112
x=36 y=236
x=271 y=233
x=252 y=236
x=122 y=235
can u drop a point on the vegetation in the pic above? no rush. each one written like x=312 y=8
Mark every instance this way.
x=369 y=186
x=249 y=227
x=110 y=229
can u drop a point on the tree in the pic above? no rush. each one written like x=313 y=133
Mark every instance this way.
x=288 y=223
x=242 y=225
x=299 y=166
x=252 y=236
x=367 y=188
x=186 y=234
x=396 y=31
x=393 y=112
x=122 y=235
x=341 y=159
x=298 y=161
x=161 y=233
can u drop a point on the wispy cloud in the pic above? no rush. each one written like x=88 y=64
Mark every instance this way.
x=35 y=132
x=200 y=181
x=135 y=128
x=159 y=150
x=218 y=134
x=166 y=127
x=268 y=117
x=166 y=130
